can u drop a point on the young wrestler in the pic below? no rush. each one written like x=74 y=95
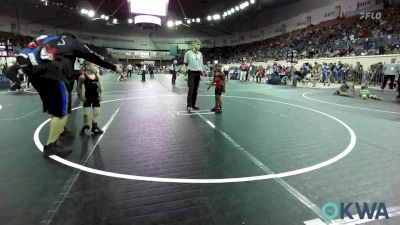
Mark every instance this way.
x=346 y=89
x=364 y=93
x=122 y=77
x=23 y=82
x=92 y=97
x=219 y=82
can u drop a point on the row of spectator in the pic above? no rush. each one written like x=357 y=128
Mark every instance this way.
x=340 y=37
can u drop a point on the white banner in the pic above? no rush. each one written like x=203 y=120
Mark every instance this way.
x=324 y=14
x=348 y=6
x=130 y=54
x=362 y=4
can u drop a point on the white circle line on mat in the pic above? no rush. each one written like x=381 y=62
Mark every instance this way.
x=314 y=167
x=348 y=106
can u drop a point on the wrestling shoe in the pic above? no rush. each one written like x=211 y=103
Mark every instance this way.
x=84 y=129
x=96 y=130
x=54 y=149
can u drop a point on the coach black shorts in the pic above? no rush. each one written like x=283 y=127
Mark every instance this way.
x=54 y=95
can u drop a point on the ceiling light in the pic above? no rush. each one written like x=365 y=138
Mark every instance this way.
x=106 y=18
x=102 y=16
x=209 y=18
x=237 y=8
x=91 y=13
x=188 y=21
x=232 y=10
x=130 y=20
x=198 y=20
x=177 y=23
x=115 y=21
x=252 y=1
x=84 y=11
x=193 y=20
x=244 y=5
x=216 y=17
x=170 y=23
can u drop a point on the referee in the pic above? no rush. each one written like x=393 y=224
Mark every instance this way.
x=194 y=61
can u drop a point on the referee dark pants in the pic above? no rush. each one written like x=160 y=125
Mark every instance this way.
x=385 y=80
x=143 y=75
x=193 y=84
x=173 y=77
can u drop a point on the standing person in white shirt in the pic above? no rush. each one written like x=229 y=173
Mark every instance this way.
x=194 y=61
x=130 y=69
x=173 y=70
x=390 y=70
x=77 y=71
x=143 y=72
x=226 y=72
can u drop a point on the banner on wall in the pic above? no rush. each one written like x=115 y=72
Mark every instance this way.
x=278 y=31
x=348 y=6
x=301 y=23
x=303 y=20
x=284 y=28
x=291 y=24
x=234 y=42
x=363 y=4
x=129 y=54
x=254 y=36
x=308 y=20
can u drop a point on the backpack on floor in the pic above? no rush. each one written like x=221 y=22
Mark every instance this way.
x=40 y=51
x=274 y=79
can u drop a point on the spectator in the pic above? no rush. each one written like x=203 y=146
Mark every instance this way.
x=390 y=71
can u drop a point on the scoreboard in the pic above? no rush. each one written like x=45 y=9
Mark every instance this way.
x=6 y=49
